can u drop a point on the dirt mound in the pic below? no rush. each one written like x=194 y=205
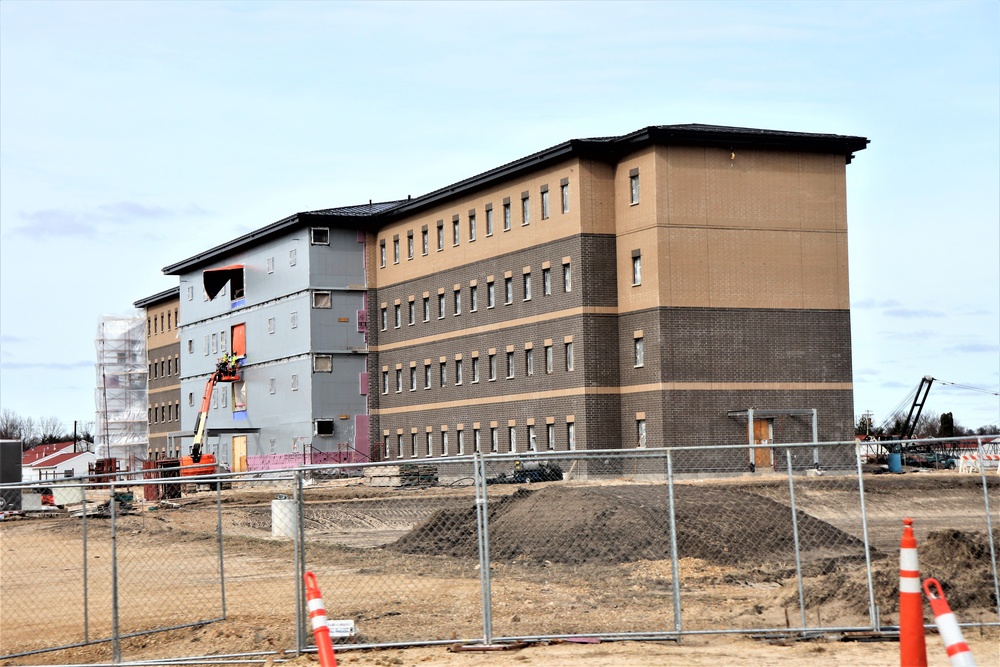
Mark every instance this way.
x=623 y=524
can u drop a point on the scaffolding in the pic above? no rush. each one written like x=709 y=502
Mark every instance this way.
x=121 y=424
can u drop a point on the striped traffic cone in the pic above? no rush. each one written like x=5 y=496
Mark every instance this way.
x=954 y=643
x=321 y=631
x=912 y=646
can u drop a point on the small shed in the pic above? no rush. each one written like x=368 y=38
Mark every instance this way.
x=59 y=466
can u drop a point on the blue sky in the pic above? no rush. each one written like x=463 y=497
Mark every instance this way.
x=136 y=134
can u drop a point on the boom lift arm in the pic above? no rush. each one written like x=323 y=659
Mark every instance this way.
x=227 y=370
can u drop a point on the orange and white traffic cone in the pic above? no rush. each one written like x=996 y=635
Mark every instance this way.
x=321 y=631
x=954 y=643
x=912 y=646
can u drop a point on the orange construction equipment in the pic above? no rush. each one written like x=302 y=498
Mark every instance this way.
x=954 y=643
x=227 y=370
x=912 y=645
x=321 y=631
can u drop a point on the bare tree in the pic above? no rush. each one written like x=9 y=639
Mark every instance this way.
x=15 y=427
x=51 y=429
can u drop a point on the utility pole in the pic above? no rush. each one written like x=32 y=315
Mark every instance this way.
x=868 y=414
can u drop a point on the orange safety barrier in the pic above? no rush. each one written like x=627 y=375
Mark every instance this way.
x=321 y=631
x=912 y=645
x=954 y=643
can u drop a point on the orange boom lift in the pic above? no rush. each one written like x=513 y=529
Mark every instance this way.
x=227 y=370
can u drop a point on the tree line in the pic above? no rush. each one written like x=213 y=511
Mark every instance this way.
x=928 y=426
x=44 y=431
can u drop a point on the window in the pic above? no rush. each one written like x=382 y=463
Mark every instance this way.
x=571 y=435
x=444 y=443
x=440 y=228
x=381 y=251
x=215 y=343
x=455 y=232
x=550 y=436
x=639 y=352
x=169 y=315
x=170 y=366
x=323 y=363
x=564 y=194
x=640 y=427
x=472 y=225
x=527 y=287
x=532 y=440
x=270 y=325
x=569 y=356
x=489 y=219
x=458 y=371
x=222 y=341
x=458 y=302
x=430 y=444
x=636 y=268
x=510 y=364
x=424 y=241
x=548 y=359
x=319 y=236
x=385 y=382
x=399 y=445
x=529 y=361
x=412 y=311
x=409 y=245
x=567 y=278
x=413 y=378
x=270 y=264
x=271 y=387
x=190 y=346
x=490 y=295
x=427 y=308
x=444 y=373
x=206 y=345
x=293 y=319
x=395 y=250
x=383 y=319
x=295 y=382
x=508 y=291
x=473 y=298
x=322 y=299
x=546 y=282
x=427 y=376
x=475 y=370
x=190 y=399
x=413 y=445
x=633 y=184
x=512 y=438
x=545 y=202
x=494 y=440
x=525 y=209
x=493 y=367
x=506 y=214
x=399 y=380
x=397 y=314
x=440 y=306
x=190 y=293
x=461 y=442
x=292 y=255
x=475 y=440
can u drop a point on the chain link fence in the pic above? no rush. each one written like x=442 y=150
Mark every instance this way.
x=646 y=543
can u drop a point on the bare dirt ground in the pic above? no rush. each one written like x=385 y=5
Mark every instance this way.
x=567 y=559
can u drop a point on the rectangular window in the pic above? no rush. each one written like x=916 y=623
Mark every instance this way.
x=564 y=194
x=399 y=445
x=640 y=427
x=633 y=183
x=413 y=378
x=424 y=241
x=491 y=299
x=512 y=438
x=508 y=291
x=493 y=367
x=444 y=373
x=475 y=369
x=640 y=356
x=525 y=209
x=385 y=382
x=323 y=363
x=475 y=440
x=381 y=253
x=319 y=236
x=529 y=361
x=292 y=257
x=322 y=299
x=409 y=245
x=510 y=364
x=430 y=444
x=222 y=341
x=440 y=306
x=532 y=440
x=636 y=268
x=548 y=359
x=550 y=436
x=215 y=344
x=270 y=264
x=398 y=315
x=546 y=282
x=399 y=380
x=413 y=445
x=440 y=228
x=383 y=319
x=395 y=250
x=458 y=371
x=455 y=232
x=206 y=345
x=494 y=440
x=427 y=376
x=571 y=435
x=489 y=220
x=190 y=346
x=427 y=309
x=461 y=442
x=472 y=225
x=190 y=293
x=270 y=325
x=293 y=319
x=444 y=443
x=506 y=215
x=473 y=298
x=545 y=203
x=527 y=287
x=295 y=382
x=567 y=278
x=458 y=302
x=569 y=356
x=271 y=387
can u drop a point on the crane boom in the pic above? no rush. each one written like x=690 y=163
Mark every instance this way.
x=906 y=432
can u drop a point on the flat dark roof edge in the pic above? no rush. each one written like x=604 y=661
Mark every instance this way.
x=159 y=297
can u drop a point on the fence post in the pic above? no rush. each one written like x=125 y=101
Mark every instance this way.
x=674 y=567
x=989 y=521
x=86 y=581
x=483 y=533
x=299 y=555
x=795 y=534
x=872 y=615
x=116 y=647
x=222 y=566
